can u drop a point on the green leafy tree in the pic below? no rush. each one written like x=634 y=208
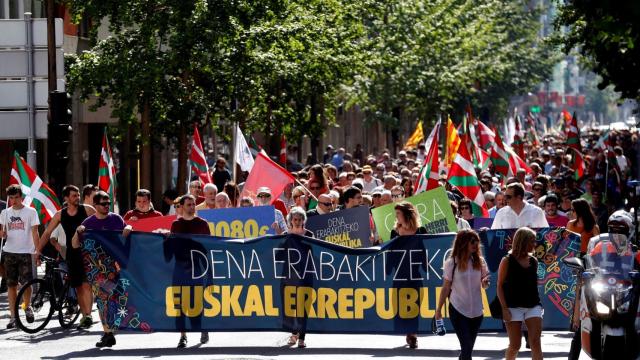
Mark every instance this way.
x=607 y=35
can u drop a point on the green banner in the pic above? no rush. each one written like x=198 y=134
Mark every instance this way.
x=434 y=208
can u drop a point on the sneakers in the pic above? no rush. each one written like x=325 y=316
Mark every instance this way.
x=301 y=344
x=28 y=313
x=11 y=324
x=85 y=323
x=183 y=342
x=204 y=337
x=107 y=340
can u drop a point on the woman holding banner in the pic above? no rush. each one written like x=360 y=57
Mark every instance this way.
x=465 y=274
x=296 y=221
x=408 y=223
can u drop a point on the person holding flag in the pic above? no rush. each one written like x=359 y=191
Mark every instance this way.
x=19 y=224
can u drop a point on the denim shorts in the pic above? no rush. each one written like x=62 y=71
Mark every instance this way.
x=522 y=313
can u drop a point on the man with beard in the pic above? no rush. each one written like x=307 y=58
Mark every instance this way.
x=70 y=217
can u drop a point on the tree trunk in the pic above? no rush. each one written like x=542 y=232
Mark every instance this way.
x=182 y=159
x=145 y=158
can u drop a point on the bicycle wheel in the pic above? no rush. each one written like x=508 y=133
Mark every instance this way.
x=68 y=309
x=42 y=305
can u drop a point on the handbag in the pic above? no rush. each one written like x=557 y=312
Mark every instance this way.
x=495 y=308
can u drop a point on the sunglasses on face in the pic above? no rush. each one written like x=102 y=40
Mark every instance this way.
x=325 y=203
x=264 y=196
x=464 y=208
x=474 y=241
x=396 y=196
x=106 y=203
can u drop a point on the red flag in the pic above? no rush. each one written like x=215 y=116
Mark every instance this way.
x=266 y=172
x=283 y=152
x=573 y=134
x=517 y=143
x=197 y=159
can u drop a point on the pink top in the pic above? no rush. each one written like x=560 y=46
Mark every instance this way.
x=466 y=295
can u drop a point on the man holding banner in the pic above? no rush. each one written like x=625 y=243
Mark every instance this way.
x=189 y=223
x=103 y=219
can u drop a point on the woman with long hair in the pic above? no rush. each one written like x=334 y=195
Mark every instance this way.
x=408 y=223
x=584 y=222
x=465 y=274
x=518 y=294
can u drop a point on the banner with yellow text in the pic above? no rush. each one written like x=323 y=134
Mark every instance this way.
x=295 y=283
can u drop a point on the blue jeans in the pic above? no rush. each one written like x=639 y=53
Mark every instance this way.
x=466 y=330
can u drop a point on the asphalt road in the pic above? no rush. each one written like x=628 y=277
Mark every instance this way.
x=55 y=343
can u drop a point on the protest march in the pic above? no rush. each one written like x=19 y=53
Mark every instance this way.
x=353 y=244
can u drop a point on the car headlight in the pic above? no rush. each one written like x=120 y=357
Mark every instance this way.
x=602 y=308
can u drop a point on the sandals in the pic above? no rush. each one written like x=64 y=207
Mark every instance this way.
x=412 y=341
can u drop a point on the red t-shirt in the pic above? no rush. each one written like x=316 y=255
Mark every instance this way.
x=141 y=215
x=194 y=226
x=559 y=220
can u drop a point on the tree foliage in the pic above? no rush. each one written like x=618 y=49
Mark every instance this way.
x=288 y=64
x=607 y=35
x=431 y=57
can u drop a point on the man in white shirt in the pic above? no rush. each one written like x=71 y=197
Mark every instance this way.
x=518 y=213
x=20 y=227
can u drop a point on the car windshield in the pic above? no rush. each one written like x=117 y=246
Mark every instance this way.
x=611 y=254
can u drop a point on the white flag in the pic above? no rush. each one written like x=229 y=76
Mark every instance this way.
x=243 y=153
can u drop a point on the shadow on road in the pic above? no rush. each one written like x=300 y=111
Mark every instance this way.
x=198 y=350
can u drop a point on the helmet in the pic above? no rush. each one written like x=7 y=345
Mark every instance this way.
x=621 y=222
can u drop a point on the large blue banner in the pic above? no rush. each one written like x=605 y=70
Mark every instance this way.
x=293 y=283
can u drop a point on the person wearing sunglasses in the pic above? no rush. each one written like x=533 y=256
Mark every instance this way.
x=325 y=206
x=466 y=212
x=397 y=193
x=195 y=189
x=103 y=219
x=264 y=199
x=518 y=213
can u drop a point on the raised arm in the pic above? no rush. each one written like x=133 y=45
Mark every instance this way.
x=55 y=221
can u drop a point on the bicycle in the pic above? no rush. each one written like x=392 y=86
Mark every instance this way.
x=48 y=294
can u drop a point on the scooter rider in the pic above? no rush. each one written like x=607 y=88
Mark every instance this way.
x=620 y=222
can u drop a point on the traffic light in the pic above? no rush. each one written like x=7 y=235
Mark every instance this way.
x=59 y=135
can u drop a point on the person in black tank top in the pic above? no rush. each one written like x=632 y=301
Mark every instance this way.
x=70 y=223
x=518 y=294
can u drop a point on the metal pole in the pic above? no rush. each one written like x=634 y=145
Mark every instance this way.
x=51 y=46
x=31 y=139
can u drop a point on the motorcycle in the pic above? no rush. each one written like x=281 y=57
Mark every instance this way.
x=608 y=298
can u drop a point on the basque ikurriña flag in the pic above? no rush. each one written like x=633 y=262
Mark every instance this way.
x=107 y=172
x=37 y=194
x=197 y=160
x=463 y=175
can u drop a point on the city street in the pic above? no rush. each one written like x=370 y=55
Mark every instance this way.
x=55 y=343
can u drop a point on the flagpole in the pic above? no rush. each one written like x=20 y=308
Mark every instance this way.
x=309 y=191
x=235 y=150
